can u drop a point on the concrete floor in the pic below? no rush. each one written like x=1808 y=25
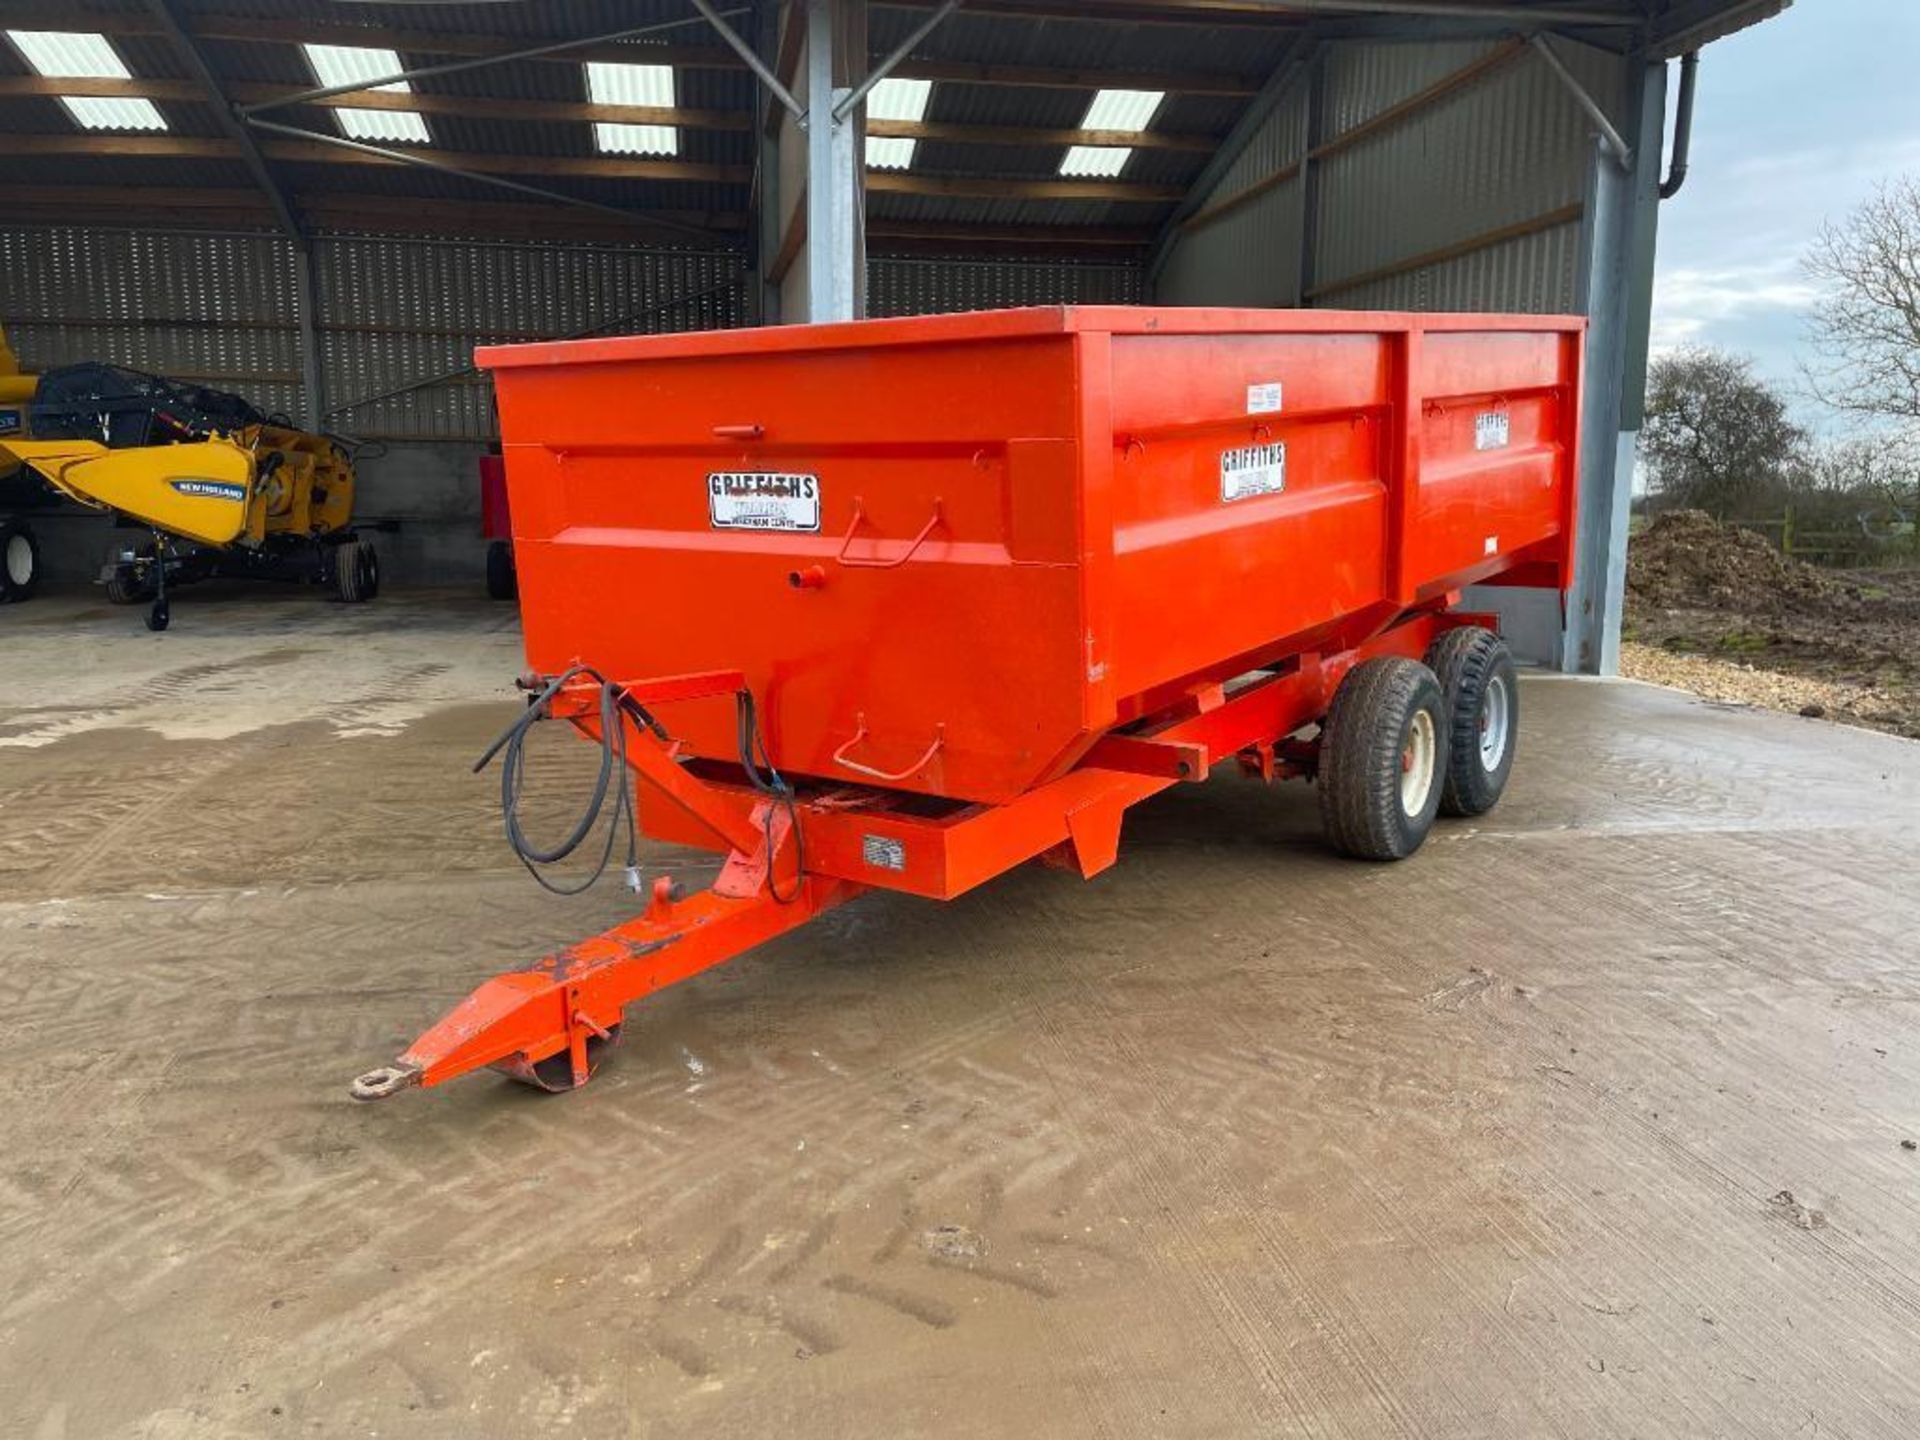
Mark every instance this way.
x=1585 y=1121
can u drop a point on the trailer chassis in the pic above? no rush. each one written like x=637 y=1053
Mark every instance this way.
x=550 y=1023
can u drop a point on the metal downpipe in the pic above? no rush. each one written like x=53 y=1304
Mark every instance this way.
x=1682 y=127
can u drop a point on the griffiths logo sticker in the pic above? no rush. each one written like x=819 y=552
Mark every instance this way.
x=211 y=489
x=759 y=500
x=1253 y=470
x=9 y=422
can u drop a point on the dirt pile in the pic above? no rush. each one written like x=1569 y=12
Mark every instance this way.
x=1686 y=558
x=1719 y=611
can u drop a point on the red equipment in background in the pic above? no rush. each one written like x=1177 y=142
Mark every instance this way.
x=496 y=525
x=905 y=603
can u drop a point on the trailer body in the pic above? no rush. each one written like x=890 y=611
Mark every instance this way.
x=1019 y=529
x=975 y=584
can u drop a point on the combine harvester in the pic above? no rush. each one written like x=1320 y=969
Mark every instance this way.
x=902 y=604
x=224 y=489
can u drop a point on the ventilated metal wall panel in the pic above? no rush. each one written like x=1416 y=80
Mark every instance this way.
x=397 y=312
x=218 y=309
x=223 y=309
x=899 y=285
x=1507 y=149
x=1251 y=254
x=1534 y=274
x=1510 y=148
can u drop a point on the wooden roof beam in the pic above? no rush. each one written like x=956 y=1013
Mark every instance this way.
x=1021 y=135
x=895 y=182
x=195 y=147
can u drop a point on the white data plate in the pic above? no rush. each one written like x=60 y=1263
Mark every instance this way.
x=883 y=852
x=1263 y=399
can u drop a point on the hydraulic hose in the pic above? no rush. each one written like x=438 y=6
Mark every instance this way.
x=613 y=778
x=616 y=779
x=775 y=788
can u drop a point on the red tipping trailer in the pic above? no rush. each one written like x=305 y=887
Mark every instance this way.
x=904 y=603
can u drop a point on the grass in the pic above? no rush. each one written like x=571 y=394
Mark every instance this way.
x=1744 y=640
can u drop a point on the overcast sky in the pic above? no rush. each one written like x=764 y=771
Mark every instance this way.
x=1794 y=121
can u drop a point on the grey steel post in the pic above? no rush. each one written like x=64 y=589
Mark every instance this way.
x=836 y=247
x=1616 y=292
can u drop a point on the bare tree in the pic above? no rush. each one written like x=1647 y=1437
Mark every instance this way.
x=1878 y=472
x=1717 y=437
x=1867 y=326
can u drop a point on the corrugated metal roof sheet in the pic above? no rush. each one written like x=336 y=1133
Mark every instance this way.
x=1093 y=46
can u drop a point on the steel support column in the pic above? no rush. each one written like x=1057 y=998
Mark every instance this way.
x=1616 y=292
x=836 y=253
x=824 y=171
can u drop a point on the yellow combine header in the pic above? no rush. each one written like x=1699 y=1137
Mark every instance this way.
x=262 y=480
x=222 y=488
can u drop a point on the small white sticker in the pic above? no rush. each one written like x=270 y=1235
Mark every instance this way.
x=1263 y=399
x=1490 y=430
x=755 y=500
x=883 y=852
x=1252 y=470
x=1493 y=544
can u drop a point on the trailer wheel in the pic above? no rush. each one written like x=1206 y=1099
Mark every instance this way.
x=159 y=616
x=1476 y=674
x=1380 y=759
x=19 y=561
x=369 y=570
x=555 y=1073
x=502 y=583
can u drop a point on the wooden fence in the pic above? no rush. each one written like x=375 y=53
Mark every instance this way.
x=1854 y=547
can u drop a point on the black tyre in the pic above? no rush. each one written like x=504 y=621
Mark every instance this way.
x=1381 y=759
x=159 y=616
x=1476 y=675
x=124 y=586
x=19 y=561
x=369 y=570
x=502 y=583
x=349 y=571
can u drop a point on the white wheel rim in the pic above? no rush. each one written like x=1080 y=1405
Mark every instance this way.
x=1495 y=723
x=1417 y=756
x=19 y=559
